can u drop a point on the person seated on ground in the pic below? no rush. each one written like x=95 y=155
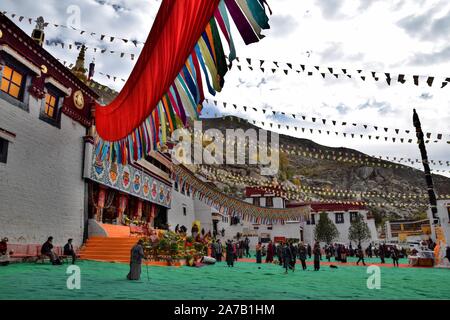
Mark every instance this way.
x=177 y=228
x=47 y=250
x=68 y=250
x=4 y=254
x=208 y=260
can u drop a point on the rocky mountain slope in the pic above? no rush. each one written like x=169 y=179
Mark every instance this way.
x=299 y=170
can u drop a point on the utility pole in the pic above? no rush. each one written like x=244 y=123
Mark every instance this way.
x=426 y=166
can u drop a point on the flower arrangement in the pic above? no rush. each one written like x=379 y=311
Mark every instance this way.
x=127 y=221
x=172 y=246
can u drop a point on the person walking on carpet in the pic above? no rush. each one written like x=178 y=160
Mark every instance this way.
x=230 y=254
x=316 y=253
x=293 y=256
x=302 y=255
x=218 y=250
x=270 y=252
x=247 y=247
x=382 y=252
x=137 y=254
x=287 y=256
x=395 y=256
x=258 y=252
x=279 y=251
x=360 y=254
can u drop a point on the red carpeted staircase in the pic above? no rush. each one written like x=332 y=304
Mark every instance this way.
x=115 y=249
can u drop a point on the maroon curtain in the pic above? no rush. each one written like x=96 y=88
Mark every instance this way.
x=177 y=28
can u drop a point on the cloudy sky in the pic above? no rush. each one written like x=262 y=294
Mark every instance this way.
x=397 y=36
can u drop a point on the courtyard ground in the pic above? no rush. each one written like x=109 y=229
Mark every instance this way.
x=245 y=281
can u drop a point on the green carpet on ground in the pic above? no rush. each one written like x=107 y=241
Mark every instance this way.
x=244 y=281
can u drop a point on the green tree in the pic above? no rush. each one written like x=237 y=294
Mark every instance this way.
x=326 y=230
x=359 y=230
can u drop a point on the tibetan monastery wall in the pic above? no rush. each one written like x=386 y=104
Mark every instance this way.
x=181 y=211
x=42 y=192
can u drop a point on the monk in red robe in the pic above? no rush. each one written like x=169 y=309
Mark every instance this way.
x=270 y=253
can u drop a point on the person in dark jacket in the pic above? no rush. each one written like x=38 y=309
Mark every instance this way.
x=47 y=250
x=137 y=254
x=293 y=256
x=309 y=250
x=328 y=252
x=360 y=254
x=280 y=254
x=287 y=255
x=4 y=254
x=395 y=256
x=218 y=250
x=317 y=255
x=381 y=252
x=302 y=255
x=258 y=252
x=230 y=254
x=247 y=247
x=68 y=251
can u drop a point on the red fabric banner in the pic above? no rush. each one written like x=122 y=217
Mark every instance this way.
x=177 y=28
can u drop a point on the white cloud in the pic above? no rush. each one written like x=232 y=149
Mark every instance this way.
x=392 y=35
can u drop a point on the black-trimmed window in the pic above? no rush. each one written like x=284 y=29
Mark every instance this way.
x=269 y=202
x=448 y=211
x=175 y=186
x=13 y=81
x=184 y=211
x=339 y=216
x=3 y=150
x=50 y=110
x=312 y=219
x=256 y=201
x=353 y=216
x=51 y=105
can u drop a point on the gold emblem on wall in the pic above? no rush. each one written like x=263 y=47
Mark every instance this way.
x=1 y=33
x=44 y=69
x=78 y=99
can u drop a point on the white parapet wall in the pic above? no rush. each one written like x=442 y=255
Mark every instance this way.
x=181 y=211
x=41 y=185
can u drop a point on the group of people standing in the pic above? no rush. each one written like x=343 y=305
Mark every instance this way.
x=234 y=250
x=287 y=254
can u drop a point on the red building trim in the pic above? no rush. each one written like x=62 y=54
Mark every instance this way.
x=264 y=192
x=319 y=207
x=18 y=40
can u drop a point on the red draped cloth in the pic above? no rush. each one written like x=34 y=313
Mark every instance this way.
x=176 y=30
